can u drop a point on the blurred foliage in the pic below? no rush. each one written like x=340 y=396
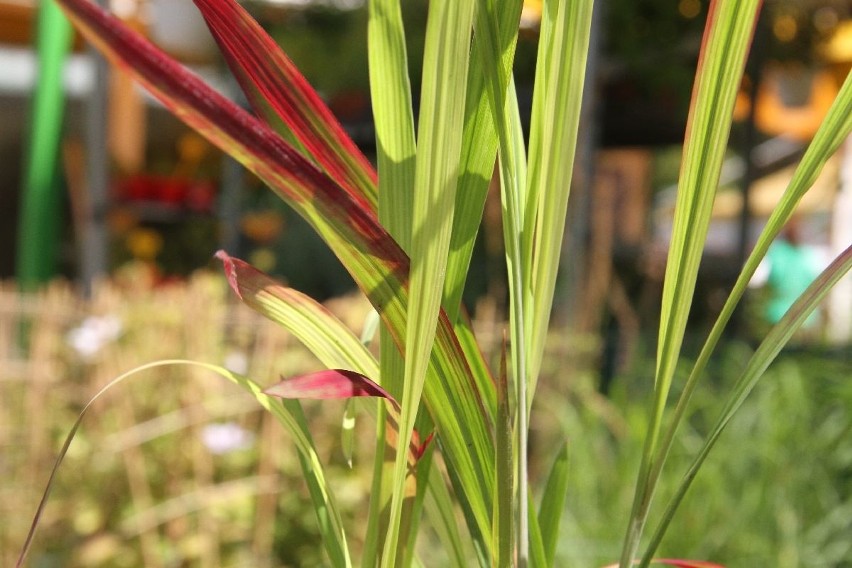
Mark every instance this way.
x=777 y=493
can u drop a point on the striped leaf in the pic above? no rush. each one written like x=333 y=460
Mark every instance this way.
x=835 y=128
x=282 y=96
x=765 y=354
x=727 y=36
x=559 y=81
x=445 y=64
x=390 y=89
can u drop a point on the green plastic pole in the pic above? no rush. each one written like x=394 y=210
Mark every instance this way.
x=40 y=200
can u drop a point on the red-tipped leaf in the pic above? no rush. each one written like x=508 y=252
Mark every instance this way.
x=677 y=563
x=281 y=95
x=687 y=563
x=347 y=224
x=344 y=384
x=329 y=384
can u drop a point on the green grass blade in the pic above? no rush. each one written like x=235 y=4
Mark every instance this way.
x=319 y=330
x=765 y=354
x=445 y=66
x=560 y=75
x=288 y=414
x=422 y=475
x=553 y=504
x=511 y=154
x=395 y=147
x=720 y=67
x=479 y=147
x=439 y=509
x=834 y=130
x=537 y=555
x=391 y=98
x=485 y=382
x=503 y=517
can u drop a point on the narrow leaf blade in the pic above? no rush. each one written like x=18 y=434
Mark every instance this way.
x=559 y=83
x=835 y=128
x=765 y=354
x=279 y=93
x=319 y=330
x=553 y=504
x=727 y=36
x=442 y=109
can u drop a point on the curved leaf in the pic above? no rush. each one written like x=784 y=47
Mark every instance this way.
x=452 y=396
x=309 y=321
x=730 y=26
x=289 y=415
x=765 y=354
x=346 y=223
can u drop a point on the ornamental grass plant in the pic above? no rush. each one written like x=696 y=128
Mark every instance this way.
x=451 y=429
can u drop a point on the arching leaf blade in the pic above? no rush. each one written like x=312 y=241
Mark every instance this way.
x=281 y=95
x=727 y=37
x=767 y=351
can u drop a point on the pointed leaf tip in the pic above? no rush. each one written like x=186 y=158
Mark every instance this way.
x=421 y=448
x=230 y=271
x=329 y=384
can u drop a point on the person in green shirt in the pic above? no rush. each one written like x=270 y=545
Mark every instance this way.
x=792 y=267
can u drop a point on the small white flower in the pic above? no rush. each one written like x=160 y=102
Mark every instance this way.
x=236 y=362
x=226 y=437
x=95 y=332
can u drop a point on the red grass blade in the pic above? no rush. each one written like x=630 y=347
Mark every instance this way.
x=678 y=563
x=280 y=94
x=346 y=222
x=688 y=563
x=329 y=384
x=343 y=384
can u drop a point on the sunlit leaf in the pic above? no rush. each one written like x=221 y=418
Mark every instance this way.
x=559 y=82
x=311 y=323
x=280 y=94
x=730 y=25
x=765 y=354
x=445 y=65
x=390 y=89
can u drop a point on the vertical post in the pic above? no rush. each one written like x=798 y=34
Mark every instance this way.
x=38 y=232
x=93 y=248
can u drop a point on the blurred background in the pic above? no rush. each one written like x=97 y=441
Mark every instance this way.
x=112 y=210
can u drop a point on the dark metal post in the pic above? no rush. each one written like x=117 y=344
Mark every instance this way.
x=94 y=245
